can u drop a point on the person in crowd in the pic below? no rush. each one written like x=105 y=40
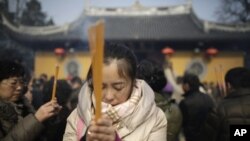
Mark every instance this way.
x=37 y=92
x=175 y=82
x=43 y=77
x=76 y=84
x=73 y=99
x=194 y=107
x=28 y=90
x=56 y=125
x=128 y=106
x=232 y=110
x=18 y=120
x=154 y=75
x=214 y=91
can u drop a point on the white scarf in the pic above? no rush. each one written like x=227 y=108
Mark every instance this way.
x=124 y=109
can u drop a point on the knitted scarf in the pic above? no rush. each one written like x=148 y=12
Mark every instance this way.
x=116 y=113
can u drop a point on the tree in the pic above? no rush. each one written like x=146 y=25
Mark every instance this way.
x=234 y=11
x=33 y=15
x=3 y=6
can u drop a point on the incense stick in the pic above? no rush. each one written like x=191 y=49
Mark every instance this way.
x=222 y=80
x=55 y=83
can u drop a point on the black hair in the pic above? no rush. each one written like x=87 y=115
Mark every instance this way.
x=10 y=69
x=43 y=75
x=76 y=79
x=238 y=77
x=126 y=57
x=192 y=80
x=63 y=91
x=153 y=74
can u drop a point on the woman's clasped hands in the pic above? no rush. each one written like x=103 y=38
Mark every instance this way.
x=101 y=130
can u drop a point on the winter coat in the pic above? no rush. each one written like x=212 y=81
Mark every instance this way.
x=17 y=122
x=146 y=123
x=233 y=109
x=173 y=114
x=194 y=107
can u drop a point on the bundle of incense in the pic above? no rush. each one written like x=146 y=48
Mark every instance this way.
x=96 y=43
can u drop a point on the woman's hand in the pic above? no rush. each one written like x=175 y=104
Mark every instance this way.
x=48 y=110
x=102 y=130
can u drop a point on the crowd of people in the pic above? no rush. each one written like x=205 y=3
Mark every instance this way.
x=142 y=101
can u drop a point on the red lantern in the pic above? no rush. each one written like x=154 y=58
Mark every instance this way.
x=212 y=51
x=59 y=51
x=167 y=51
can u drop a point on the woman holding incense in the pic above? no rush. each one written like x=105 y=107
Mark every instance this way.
x=18 y=119
x=128 y=108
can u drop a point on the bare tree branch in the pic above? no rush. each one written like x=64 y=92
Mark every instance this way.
x=234 y=11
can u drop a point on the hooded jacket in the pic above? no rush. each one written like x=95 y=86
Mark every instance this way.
x=146 y=123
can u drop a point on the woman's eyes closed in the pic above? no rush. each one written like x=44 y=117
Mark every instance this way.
x=119 y=87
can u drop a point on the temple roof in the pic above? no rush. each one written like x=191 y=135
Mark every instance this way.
x=176 y=23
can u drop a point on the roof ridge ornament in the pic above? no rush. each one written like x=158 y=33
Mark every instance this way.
x=137 y=5
x=189 y=4
x=137 y=9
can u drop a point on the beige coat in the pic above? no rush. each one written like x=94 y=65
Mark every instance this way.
x=146 y=123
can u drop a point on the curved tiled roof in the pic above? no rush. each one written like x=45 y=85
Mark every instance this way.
x=161 y=27
x=169 y=27
x=160 y=24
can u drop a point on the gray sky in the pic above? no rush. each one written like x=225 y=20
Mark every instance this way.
x=63 y=11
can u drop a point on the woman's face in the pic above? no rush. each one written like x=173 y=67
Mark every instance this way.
x=116 y=89
x=11 y=89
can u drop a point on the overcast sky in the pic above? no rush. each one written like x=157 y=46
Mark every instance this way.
x=63 y=11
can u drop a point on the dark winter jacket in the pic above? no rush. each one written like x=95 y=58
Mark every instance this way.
x=173 y=114
x=233 y=109
x=17 y=122
x=194 y=107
